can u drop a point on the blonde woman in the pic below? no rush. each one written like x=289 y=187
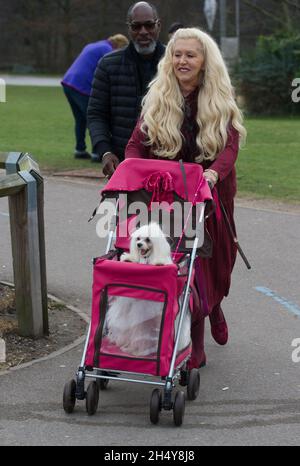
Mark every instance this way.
x=190 y=113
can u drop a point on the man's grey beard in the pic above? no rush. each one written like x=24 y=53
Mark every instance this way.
x=145 y=50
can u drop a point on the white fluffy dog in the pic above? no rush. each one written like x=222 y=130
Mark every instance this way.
x=134 y=324
x=149 y=246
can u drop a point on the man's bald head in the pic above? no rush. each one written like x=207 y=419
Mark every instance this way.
x=144 y=6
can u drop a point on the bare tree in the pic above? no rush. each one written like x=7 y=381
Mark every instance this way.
x=285 y=14
x=49 y=34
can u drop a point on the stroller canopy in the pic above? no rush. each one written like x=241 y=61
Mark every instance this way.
x=175 y=188
x=160 y=177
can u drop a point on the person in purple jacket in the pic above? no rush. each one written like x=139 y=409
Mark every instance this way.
x=77 y=84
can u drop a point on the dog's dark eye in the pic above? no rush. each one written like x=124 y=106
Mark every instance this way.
x=148 y=240
x=138 y=239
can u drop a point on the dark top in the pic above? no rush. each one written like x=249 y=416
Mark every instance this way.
x=120 y=81
x=189 y=127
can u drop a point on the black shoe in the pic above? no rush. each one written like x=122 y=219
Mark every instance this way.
x=95 y=158
x=82 y=154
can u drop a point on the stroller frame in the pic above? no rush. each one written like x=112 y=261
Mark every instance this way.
x=75 y=390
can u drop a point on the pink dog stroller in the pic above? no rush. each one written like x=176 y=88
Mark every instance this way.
x=154 y=348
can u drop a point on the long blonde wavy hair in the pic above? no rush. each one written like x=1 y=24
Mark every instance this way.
x=163 y=105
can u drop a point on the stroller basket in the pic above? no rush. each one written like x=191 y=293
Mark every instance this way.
x=153 y=295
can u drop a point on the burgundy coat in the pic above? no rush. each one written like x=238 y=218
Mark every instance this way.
x=215 y=272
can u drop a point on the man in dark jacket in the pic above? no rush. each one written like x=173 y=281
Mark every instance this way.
x=119 y=84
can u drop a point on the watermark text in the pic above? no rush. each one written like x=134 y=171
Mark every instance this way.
x=296 y=92
x=296 y=352
x=176 y=218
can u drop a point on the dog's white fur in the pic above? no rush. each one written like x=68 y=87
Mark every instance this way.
x=134 y=324
x=149 y=245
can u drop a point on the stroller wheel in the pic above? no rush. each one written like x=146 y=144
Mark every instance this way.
x=179 y=408
x=193 y=384
x=69 y=398
x=92 y=398
x=155 y=406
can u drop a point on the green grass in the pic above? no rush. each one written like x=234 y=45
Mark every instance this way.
x=39 y=121
x=269 y=165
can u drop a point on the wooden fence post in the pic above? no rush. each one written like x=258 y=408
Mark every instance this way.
x=26 y=163
x=28 y=245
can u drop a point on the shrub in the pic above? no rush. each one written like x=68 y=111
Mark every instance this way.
x=264 y=78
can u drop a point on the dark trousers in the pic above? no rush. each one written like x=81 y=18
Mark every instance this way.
x=78 y=103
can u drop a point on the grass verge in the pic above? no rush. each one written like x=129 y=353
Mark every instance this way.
x=269 y=165
x=38 y=120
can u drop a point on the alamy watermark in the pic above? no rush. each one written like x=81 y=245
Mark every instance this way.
x=296 y=352
x=296 y=92
x=175 y=217
x=2 y=91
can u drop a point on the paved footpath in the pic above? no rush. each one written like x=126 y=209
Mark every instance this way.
x=250 y=389
x=19 y=80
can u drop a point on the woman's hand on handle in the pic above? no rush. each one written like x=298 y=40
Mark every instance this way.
x=211 y=177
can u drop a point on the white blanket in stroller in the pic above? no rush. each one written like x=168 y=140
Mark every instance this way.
x=133 y=325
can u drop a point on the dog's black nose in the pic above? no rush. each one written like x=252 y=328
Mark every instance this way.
x=139 y=245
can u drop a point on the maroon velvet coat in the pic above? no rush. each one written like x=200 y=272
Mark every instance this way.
x=215 y=271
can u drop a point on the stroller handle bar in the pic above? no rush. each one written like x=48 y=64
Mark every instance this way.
x=185 y=301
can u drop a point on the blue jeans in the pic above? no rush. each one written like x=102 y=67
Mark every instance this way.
x=78 y=103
